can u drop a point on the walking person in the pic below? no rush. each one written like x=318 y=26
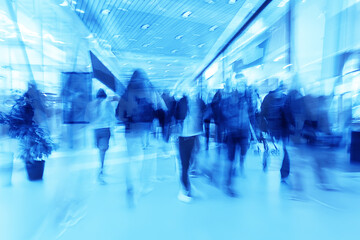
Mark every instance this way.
x=100 y=115
x=189 y=109
x=235 y=110
x=136 y=109
x=276 y=114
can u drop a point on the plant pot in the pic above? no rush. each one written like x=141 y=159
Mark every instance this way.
x=6 y=168
x=35 y=170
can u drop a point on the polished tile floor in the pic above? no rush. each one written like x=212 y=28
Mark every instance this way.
x=70 y=203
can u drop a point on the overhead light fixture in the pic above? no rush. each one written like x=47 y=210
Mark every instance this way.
x=179 y=37
x=186 y=14
x=79 y=10
x=145 y=26
x=232 y=1
x=283 y=3
x=279 y=58
x=64 y=4
x=213 y=28
x=289 y=65
x=91 y=35
x=105 y=12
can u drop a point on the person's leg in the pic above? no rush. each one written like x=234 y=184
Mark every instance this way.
x=244 y=145
x=285 y=166
x=186 y=145
x=207 y=134
x=231 y=145
x=102 y=143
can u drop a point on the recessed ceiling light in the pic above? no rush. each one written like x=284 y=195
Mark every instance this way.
x=179 y=37
x=209 y=1
x=64 y=4
x=283 y=3
x=232 y=1
x=105 y=12
x=91 y=35
x=122 y=9
x=186 y=14
x=145 y=26
x=213 y=28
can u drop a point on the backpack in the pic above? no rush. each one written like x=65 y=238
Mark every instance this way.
x=181 y=109
x=143 y=112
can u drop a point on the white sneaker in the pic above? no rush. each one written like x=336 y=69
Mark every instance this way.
x=184 y=198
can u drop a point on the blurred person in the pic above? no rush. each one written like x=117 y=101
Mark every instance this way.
x=207 y=117
x=189 y=110
x=99 y=113
x=136 y=109
x=278 y=122
x=236 y=111
x=321 y=141
x=219 y=133
x=169 y=114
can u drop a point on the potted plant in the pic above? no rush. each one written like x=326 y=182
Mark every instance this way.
x=34 y=142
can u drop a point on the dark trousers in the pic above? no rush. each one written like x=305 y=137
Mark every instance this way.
x=207 y=133
x=186 y=146
x=235 y=139
x=285 y=166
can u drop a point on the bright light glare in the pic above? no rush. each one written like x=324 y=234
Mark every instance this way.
x=283 y=3
x=64 y=4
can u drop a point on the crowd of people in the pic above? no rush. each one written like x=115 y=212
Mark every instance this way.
x=239 y=114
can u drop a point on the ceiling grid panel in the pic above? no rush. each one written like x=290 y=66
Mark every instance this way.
x=111 y=28
x=125 y=23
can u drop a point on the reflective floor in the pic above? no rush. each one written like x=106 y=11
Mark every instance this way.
x=70 y=203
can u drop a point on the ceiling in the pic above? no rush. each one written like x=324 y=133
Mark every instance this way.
x=169 y=39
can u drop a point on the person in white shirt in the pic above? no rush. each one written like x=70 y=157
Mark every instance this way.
x=100 y=114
